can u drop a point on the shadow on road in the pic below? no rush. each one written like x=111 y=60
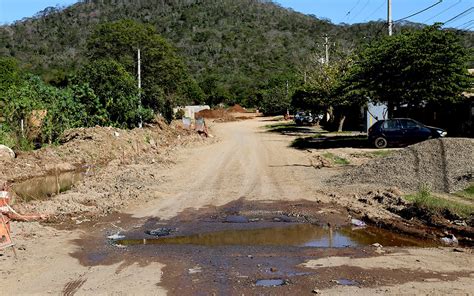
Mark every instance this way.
x=343 y=141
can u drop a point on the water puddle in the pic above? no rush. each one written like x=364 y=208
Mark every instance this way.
x=44 y=187
x=270 y=283
x=346 y=282
x=303 y=235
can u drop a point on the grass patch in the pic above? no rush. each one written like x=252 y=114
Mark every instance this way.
x=336 y=159
x=467 y=193
x=279 y=125
x=425 y=199
x=381 y=153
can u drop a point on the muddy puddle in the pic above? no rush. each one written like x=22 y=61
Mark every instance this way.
x=300 y=235
x=44 y=187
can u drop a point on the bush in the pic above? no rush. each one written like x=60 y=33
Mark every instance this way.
x=7 y=138
x=179 y=114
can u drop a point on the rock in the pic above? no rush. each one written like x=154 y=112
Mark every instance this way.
x=377 y=245
x=358 y=223
x=6 y=152
x=236 y=219
x=450 y=239
x=316 y=291
x=460 y=223
x=273 y=269
x=162 y=231
x=458 y=250
x=116 y=236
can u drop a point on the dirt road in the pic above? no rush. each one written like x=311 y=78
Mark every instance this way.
x=248 y=172
x=248 y=163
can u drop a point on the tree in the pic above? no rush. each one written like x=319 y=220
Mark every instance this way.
x=10 y=73
x=326 y=90
x=275 y=96
x=115 y=97
x=414 y=67
x=164 y=74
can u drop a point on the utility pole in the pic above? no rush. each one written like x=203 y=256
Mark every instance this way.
x=389 y=17
x=326 y=45
x=140 y=124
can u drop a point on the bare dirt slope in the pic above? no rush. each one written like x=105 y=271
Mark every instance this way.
x=247 y=163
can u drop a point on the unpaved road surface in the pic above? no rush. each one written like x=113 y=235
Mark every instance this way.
x=248 y=172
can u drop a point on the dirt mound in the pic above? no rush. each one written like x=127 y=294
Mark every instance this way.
x=236 y=109
x=97 y=146
x=219 y=114
x=445 y=165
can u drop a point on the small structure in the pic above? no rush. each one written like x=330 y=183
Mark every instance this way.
x=374 y=113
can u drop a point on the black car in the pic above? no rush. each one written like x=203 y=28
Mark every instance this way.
x=302 y=118
x=401 y=131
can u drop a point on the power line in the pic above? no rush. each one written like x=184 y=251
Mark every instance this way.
x=421 y=11
x=360 y=11
x=466 y=24
x=467 y=11
x=349 y=12
x=450 y=7
x=376 y=10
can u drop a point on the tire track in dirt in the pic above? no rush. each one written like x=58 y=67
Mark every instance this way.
x=247 y=162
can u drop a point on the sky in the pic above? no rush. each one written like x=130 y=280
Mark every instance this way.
x=338 y=11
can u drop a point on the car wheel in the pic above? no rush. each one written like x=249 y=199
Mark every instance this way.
x=381 y=142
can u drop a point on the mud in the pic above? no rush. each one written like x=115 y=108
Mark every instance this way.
x=302 y=235
x=40 y=188
x=208 y=254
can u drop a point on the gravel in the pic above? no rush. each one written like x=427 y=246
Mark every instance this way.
x=444 y=165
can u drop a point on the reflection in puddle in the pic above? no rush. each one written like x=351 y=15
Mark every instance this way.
x=270 y=283
x=46 y=186
x=305 y=235
x=346 y=282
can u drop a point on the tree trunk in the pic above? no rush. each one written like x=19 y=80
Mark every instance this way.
x=341 y=123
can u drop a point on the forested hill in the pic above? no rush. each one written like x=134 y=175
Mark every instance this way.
x=231 y=47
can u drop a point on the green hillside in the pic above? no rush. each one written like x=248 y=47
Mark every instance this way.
x=231 y=47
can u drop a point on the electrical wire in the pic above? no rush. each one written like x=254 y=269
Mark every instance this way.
x=466 y=24
x=421 y=11
x=349 y=12
x=450 y=7
x=376 y=10
x=360 y=11
x=467 y=11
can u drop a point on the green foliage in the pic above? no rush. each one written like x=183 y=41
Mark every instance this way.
x=164 y=74
x=275 y=96
x=116 y=99
x=336 y=159
x=64 y=111
x=425 y=199
x=428 y=65
x=179 y=114
x=467 y=193
x=6 y=136
x=10 y=74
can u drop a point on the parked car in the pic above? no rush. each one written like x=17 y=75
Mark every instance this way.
x=302 y=118
x=401 y=131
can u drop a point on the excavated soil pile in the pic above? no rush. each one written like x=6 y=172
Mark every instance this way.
x=218 y=114
x=237 y=109
x=445 y=165
x=96 y=146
